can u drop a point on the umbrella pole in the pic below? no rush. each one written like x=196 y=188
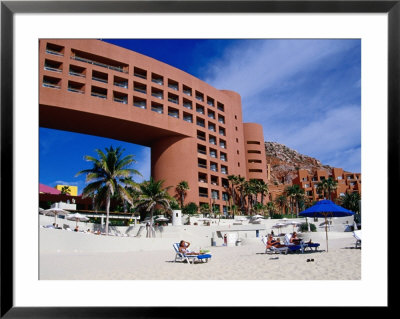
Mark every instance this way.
x=326 y=232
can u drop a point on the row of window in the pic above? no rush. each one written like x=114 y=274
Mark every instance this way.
x=215 y=194
x=212 y=179
x=211 y=139
x=202 y=163
x=122 y=67
x=201 y=149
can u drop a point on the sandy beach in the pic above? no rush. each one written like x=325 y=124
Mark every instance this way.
x=245 y=262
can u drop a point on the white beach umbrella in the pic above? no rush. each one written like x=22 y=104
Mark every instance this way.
x=40 y=210
x=279 y=225
x=294 y=224
x=54 y=212
x=257 y=216
x=241 y=218
x=162 y=219
x=77 y=217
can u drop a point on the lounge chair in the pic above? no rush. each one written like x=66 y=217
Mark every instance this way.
x=292 y=246
x=185 y=257
x=274 y=250
x=357 y=236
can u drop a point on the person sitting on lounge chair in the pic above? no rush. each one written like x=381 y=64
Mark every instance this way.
x=183 y=248
x=294 y=239
x=274 y=243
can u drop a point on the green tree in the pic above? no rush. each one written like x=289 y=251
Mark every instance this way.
x=295 y=194
x=109 y=174
x=190 y=209
x=153 y=195
x=351 y=201
x=181 y=189
x=282 y=202
x=327 y=187
x=204 y=208
x=65 y=190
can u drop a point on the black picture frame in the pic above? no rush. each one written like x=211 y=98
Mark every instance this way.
x=9 y=8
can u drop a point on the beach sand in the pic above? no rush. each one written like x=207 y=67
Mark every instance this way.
x=246 y=262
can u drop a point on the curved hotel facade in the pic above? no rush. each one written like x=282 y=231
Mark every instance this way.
x=194 y=130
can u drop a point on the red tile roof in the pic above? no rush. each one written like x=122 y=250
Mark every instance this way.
x=48 y=190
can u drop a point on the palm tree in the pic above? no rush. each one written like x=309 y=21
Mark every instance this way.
x=204 y=208
x=263 y=189
x=108 y=176
x=282 y=202
x=181 y=189
x=351 y=201
x=331 y=186
x=295 y=194
x=151 y=195
x=241 y=186
x=65 y=190
x=327 y=187
x=233 y=179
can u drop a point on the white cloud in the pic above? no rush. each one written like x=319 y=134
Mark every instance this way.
x=303 y=92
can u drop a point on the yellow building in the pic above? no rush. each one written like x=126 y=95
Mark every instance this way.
x=73 y=190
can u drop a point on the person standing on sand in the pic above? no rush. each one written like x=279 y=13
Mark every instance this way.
x=147 y=230
x=225 y=240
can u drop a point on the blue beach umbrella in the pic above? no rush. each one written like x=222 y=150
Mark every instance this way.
x=326 y=208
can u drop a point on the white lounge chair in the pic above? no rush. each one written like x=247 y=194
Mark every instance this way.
x=272 y=249
x=292 y=246
x=357 y=236
x=185 y=257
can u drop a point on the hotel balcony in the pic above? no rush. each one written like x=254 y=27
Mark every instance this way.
x=140 y=73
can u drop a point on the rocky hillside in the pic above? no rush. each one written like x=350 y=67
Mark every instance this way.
x=285 y=162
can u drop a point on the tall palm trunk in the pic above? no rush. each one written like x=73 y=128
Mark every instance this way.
x=108 y=210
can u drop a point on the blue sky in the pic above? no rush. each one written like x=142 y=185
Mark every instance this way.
x=305 y=93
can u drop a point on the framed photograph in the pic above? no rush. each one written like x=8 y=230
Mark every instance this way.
x=37 y=32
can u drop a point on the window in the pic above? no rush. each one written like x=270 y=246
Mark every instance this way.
x=50 y=65
x=221 y=119
x=139 y=102
x=225 y=182
x=214 y=180
x=140 y=73
x=213 y=167
x=253 y=152
x=203 y=192
x=173 y=112
x=201 y=135
x=76 y=87
x=120 y=97
x=158 y=79
x=225 y=197
x=210 y=101
x=202 y=163
x=255 y=170
x=54 y=49
x=187 y=117
x=121 y=82
x=222 y=143
x=211 y=114
x=202 y=178
x=212 y=140
x=50 y=82
x=187 y=104
x=211 y=127
x=99 y=76
x=220 y=107
x=201 y=149
x=254 y=161
x=214 y=194
x=173 y=84
x=101 y=61
x=139 y=87
x=77 y=71
x=158 y=108
x=213 y=153
x=157 y=93
x=187 y=90
x=173 y=98
x=200 y=122
x=199 y=109
x=223 y=157
x=224 y=169
x=222 y=131
x=199 y=96
x=253 y=142
x=99 y=92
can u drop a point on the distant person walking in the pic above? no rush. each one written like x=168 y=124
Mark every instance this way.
x=225 y=240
